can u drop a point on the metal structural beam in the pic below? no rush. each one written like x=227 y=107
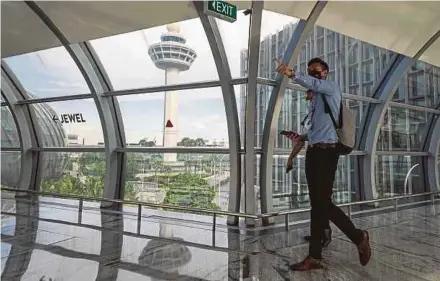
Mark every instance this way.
x=86 y=64
x=302 y=31
x=113 y=107
x=27 y=129
x=431 y=146
x=55 y=99
x=221 y=61
x=383 y=91
x=432 y=176
x=251 y=104
x=146 y=90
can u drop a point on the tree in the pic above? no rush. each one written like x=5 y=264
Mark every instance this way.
x=188 y=142
x=145 y=142
x=190 y=190
x=66 y=185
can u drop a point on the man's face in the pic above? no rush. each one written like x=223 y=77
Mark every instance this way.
x=317 y=70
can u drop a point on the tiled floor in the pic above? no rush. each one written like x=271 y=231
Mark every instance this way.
x=44 y=240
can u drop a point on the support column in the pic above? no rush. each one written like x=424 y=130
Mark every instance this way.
x=221 y=61
x=251 y=104
x=302 y=31
x=433 y=181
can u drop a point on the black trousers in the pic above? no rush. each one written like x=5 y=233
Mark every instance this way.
x=321 y=165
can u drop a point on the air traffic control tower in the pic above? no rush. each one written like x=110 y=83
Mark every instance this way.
x=172 y=55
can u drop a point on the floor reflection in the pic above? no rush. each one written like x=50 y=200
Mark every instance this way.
x=35 y=247
x=167 y=256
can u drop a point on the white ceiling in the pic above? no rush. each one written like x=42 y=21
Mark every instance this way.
x=403 y=27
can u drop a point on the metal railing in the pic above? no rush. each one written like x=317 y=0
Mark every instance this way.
x=139 y=204
x=214 y=213
x=358 y=203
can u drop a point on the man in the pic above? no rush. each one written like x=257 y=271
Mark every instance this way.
x=321 y=163
x=299 y=143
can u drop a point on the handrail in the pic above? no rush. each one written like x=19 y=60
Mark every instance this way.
x=214 y=213
x=296 y=211
x=147 y=204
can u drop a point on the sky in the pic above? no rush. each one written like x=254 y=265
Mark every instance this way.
x=201 y=112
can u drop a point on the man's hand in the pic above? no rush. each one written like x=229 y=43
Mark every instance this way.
x=289 y=165
x=283 y=69
x=300 y=138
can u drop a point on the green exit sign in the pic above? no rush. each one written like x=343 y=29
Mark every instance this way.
x=222 y=10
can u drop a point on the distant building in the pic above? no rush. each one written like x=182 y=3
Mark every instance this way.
x=52 y=135
x=356 y=66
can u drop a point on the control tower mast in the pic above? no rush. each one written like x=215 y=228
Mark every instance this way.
x=171 y=55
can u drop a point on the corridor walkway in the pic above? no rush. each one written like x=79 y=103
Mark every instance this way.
x=49 y=239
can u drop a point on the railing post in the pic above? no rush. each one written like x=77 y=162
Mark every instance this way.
x=139 y=218
x=349 y=211
x=80 y=208
x=286 y=220
x=214 y=219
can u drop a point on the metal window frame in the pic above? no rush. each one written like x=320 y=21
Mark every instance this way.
x=384 y=91
x=432 y=176
x=221 y=61
x=302 y=31
x=137 y=91
x=28 y=130
x=81 y=57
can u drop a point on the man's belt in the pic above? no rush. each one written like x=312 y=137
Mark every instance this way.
x=323 y=145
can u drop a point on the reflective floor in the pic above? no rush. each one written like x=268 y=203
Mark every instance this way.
x=49 y=240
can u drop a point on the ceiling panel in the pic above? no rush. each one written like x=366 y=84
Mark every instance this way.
x=403 y=27
x=87 y=20
x=297 y=9
x=22 y=31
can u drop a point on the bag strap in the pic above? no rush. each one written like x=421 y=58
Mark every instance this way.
x=328 y=110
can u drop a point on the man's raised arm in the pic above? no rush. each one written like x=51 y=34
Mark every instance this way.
x=316 y=85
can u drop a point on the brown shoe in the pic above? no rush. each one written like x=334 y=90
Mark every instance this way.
x=364 y=249
x=308 y=263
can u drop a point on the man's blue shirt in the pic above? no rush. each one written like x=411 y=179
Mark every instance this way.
x=322 y=129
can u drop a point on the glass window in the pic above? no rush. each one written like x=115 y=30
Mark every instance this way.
x=9 y=135
x=421 y=86
x=131 y=62
x=398 y=175
x=359 y=108
x=235 y=37
x=276 y=30
x=197 y=114
x=69 y=123
x=74 y=173
x=331 y=40
x=48 y=73
x=10 y=168
x=402 y=129
x=193 y=180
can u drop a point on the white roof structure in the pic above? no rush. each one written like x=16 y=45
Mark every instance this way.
x=401 y=26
